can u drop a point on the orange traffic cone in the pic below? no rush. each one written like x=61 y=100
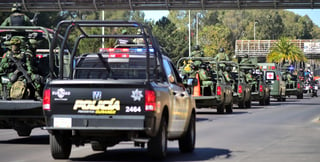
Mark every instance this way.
x=196 y=89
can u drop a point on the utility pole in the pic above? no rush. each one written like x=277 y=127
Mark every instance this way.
x=189 y=33
x=102 y=43
x=197 y=36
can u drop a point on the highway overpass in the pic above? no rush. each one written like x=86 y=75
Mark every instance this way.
x=60 y=5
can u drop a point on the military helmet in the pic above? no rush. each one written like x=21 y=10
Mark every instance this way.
x=196 y=47
x=15 y=40
x=16 y=7
x=221 y=49
x=228 y=69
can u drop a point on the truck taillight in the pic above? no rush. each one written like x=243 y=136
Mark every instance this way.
x=150 y=100
x=219 y=90
x=261 y=88
x=239 y=89
x=277 y=77
x=46 y=99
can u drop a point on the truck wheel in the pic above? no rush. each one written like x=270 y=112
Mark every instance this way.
x=248 y=103
x=157 y=146
x=267 y=101
x=188 y=140
x=97 y=146
x=23 y=131
x=283 y=98
x=60 y=143
x=229 y=108
x=300 y=96
x=241 y=104
x=220 y=109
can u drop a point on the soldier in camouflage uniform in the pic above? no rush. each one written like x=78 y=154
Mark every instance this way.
x=221 y=56
x=17 y=18
x=289 y=81
x=17 y=65
x=245 y=60
x=250 y=79
x=197 y=52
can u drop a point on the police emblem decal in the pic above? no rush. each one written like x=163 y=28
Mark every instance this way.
x=136 y=95
x=96 y=95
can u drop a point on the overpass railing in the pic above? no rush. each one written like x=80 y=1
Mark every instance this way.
x=261 y=48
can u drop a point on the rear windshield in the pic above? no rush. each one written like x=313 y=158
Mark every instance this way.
x=114 y=68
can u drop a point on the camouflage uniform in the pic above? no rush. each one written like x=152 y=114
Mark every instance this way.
x=138 y=40
x=250 y=80
x=17 y=18
x=17 y=81
x=245 y=60
x=221 y=56
x=197 y=53
x=289 y=80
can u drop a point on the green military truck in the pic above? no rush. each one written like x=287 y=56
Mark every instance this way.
x=260 y=90
x=273 y=76
x=241 y=89
x=212 y=89
x=23 y=113
x=294 y=85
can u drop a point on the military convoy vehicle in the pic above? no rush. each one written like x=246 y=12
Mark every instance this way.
x=25 y=112
x=294 y=85
x=260 y=90
x=274 y=77
x=241 y=89
x=212 y=89
x=131 y=92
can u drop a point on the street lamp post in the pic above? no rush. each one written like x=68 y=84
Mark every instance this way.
x=254 y=29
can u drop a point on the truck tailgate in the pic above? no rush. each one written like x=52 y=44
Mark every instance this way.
x=104 y=104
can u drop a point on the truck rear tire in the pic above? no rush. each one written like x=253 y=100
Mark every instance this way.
x=60 y=143
x=241 y=104
x=157 y=146
x=300 y=96
x=267 y=101
x=22 y=132
x=229 y=108
x=188 y=140
x=97 y=146
x=220 y=109
x=248 y=103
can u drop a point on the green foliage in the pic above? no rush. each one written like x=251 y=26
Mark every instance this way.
x=283 y=51
x=171 y=39
x=213 y=37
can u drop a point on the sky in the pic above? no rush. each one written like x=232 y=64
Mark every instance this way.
x=314 y=14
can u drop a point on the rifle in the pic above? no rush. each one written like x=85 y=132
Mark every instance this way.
x=21 y=69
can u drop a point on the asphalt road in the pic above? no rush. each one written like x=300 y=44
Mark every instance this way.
x=283 y=131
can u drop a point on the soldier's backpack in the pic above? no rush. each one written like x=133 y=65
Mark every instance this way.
x=18 y=90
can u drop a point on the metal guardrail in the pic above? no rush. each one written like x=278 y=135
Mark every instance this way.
x=61 y=5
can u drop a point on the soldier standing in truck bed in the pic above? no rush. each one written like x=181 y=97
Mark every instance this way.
x=17 y=18
x=221 y=56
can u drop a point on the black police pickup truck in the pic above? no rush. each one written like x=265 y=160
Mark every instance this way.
x=127 y=92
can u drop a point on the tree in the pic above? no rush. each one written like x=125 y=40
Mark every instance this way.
x=284 y=50
x=171 y=39
x=213 y=37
